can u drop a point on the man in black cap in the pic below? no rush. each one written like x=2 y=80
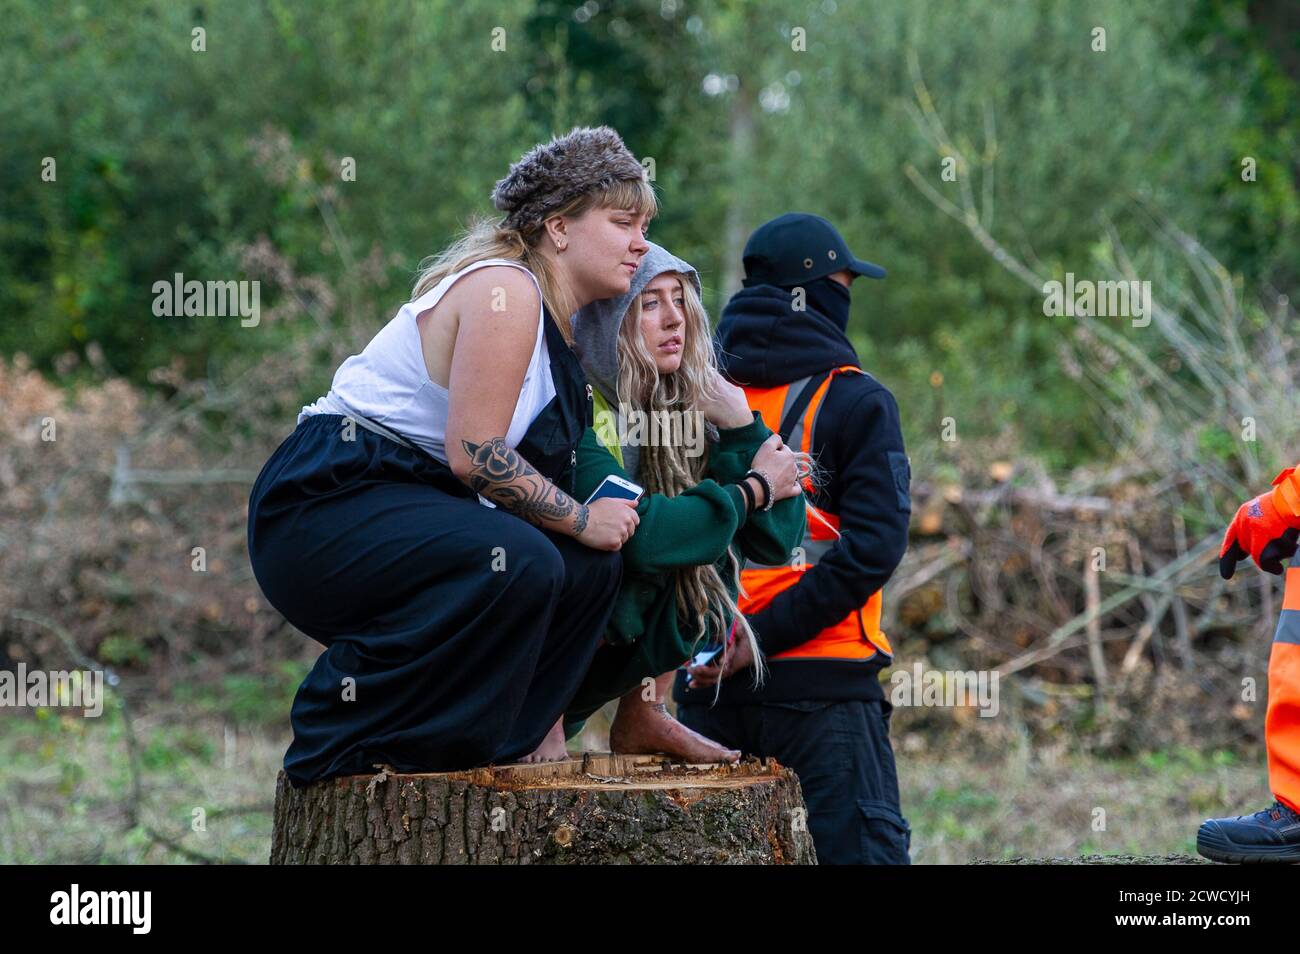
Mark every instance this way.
x=822 y=710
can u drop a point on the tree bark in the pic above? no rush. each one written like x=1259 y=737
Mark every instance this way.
x=601 y=809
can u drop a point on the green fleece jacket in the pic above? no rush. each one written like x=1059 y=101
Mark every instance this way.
x=645 y=638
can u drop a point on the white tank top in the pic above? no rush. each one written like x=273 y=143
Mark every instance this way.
x=388 y=382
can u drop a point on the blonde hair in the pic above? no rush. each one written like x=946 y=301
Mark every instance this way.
x=666 y=468
x=486 y=238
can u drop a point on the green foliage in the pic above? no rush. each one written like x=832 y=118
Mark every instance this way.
x=171 y=160
x=1186 y=759
x=169 y=750
x=247 y=698
x=1215 y=442
x=168 y=159
x=123 y=649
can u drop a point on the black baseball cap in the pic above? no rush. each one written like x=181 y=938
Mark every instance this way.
x=799 y=247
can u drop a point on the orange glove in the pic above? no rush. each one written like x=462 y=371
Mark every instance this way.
x=1265 y=529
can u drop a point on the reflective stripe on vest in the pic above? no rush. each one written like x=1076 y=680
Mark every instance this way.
x=858 y=635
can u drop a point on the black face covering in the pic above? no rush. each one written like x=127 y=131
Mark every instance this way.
x=828 y=297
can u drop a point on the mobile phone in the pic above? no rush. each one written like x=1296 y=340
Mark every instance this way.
x=615 y=486
x=707 y=657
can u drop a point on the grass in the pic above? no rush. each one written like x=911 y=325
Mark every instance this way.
x=207 y=768
x=206 y=777
x=1024 y=805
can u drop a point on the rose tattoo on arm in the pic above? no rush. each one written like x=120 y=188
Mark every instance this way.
x=499 y=473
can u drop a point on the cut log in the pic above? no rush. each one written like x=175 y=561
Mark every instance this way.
x=600 y=809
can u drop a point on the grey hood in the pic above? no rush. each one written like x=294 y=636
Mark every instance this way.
x=595 y=331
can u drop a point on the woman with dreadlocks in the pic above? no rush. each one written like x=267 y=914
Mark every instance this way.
x=714 y=493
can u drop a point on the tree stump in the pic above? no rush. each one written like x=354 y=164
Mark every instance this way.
x=600 y=809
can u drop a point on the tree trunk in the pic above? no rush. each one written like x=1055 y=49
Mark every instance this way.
x=738 y=222
x=600 y=809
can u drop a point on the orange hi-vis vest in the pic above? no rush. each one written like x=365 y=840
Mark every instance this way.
x=1282 y=719
x=858 y=636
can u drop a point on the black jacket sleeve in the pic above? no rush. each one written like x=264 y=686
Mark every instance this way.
x=869 y=488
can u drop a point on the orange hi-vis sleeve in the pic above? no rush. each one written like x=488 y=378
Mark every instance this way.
x=1282 y=721
x=1286 y=496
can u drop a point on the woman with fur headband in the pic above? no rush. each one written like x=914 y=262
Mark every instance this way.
x=422 y=522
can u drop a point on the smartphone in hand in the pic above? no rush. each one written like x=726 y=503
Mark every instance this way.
x=707 y=657
x=617 y=487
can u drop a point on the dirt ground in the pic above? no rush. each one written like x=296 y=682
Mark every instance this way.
x=204 y=779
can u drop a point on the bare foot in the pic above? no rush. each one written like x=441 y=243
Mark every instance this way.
x=646 y=728
x=552 y=748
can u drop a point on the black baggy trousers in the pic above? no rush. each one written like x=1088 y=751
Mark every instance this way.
x=456 y=634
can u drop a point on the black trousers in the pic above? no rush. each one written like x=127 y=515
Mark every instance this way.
x=455 y=634
x=841 y=752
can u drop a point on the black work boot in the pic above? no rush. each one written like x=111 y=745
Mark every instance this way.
x=1271 y=835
